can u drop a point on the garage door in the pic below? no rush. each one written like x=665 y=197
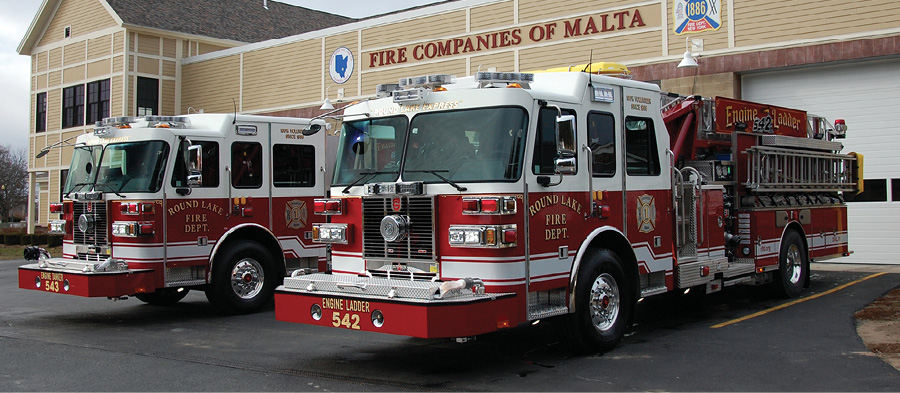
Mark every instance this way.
x=867 y=96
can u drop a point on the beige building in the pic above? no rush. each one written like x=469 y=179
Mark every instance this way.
x=834 y=58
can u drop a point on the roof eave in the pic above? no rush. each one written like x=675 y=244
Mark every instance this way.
x=172 y=33
x=29 y=39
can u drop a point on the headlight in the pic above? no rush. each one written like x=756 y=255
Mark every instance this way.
x=330 y=233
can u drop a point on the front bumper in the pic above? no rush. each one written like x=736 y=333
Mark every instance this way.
x=400 y=306
x=85 y=278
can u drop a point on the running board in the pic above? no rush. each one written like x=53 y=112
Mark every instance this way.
x=645 y=292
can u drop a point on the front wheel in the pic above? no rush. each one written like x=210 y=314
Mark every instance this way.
x=243 y=279
x=792 y=267
x=604 y=303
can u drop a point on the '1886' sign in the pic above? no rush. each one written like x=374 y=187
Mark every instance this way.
x=694 y=16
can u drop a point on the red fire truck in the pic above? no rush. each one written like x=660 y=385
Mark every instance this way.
x=155 y=206
x=464 y=206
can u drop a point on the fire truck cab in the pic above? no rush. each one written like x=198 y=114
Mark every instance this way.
x=463 y=206
x=155 y=206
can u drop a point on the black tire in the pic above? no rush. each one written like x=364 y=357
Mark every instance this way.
x=164 y=296
x=793 y=266
x=604 y=304
x=243 y=278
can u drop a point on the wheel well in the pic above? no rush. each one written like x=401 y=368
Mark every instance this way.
x=256 y=234
x=795 y=226
x=616 y=242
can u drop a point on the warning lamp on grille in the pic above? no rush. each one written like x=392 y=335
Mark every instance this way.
x=489 y=205
x=133 y=208
x=330 y=233
x=56 y=208
x=328 y=207
x=132 y=228
x=482 y=236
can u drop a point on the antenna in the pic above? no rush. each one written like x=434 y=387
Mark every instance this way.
x=587 y=68
x=234 y=120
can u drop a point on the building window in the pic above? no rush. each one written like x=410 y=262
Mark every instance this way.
x=40 y=120
x=641 y=154
x=874 y=190
x=294 y=165
x=147 y=96
x=67 y=32
x=246 y=161
x=73 y=106
x=97 y=101
x=602 y=141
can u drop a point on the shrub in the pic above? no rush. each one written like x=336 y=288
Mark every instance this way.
x=12 y=239
x=26 y=239
x=54 y=240
x=39 y=238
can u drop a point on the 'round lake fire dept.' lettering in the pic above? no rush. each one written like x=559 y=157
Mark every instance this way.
x=555 y=223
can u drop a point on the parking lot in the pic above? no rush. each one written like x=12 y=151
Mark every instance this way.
x=679 y=343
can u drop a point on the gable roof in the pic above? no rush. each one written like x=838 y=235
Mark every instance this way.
x=232 y=20
x=237 y=20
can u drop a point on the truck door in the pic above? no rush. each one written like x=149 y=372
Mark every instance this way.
x=248 y=174
x=647 y=184
x=298 y=176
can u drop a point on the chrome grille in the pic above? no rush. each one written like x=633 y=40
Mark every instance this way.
x=97 y=235
x=418 y=245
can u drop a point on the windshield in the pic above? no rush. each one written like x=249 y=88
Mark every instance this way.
x=83 y=168
x=467 y=145
x=132 y=167
x=370 y=150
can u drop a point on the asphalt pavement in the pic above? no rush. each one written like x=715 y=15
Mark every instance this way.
x=54 y=342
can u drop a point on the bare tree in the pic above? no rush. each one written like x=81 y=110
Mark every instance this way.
x=13 y=180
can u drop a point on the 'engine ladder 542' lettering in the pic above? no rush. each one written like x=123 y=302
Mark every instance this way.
x=342 y=305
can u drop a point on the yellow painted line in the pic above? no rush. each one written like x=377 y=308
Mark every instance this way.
x=785 y=305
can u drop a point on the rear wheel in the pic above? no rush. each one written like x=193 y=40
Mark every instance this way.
x=604 y=304
x=164 y=296
x=243 y=279
x=793 y=266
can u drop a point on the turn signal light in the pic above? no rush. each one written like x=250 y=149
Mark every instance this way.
x=489 y=205
x=56 y=208
x=328 y=206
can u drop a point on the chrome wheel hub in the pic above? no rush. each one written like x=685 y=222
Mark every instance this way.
x=247 y=278
x=604 y=302
x=793 y=266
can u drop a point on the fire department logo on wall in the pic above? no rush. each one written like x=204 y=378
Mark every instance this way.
x=646 y=213
x=295 y=214
x=341 y=65
x=694 y=16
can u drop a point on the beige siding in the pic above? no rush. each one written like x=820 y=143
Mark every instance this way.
x=98 y=69
x=74 y=53
x=52 y=158
x=167 y=99
x=491 y=16
x=130 y=63
x=168 y=68
x=437 y=26
x=712 y=39
x=766 y=21
x=54 y=79
x=84 y=16
x=207 y=48
x=147 y=66
x=622 y=49
x=169 y=47
x=39 y=142
x=40 y=82
x=535 y=10
x=211 y=85
x=371 y=79
x=131 y=42
x=503 y=61
x=73 y=75
x=273 y=77
x=117 y=65
x=55 y=58
x=54 y=110
x=118 y=44
x=148 y=44
x=41 y=62
x=348 y=41
x=100 y=47
x=115 y=96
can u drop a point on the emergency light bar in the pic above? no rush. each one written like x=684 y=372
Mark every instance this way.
x=104 y=127
x=487 y=78
x=416 y=88
x=167 y=121
x=385 y=89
